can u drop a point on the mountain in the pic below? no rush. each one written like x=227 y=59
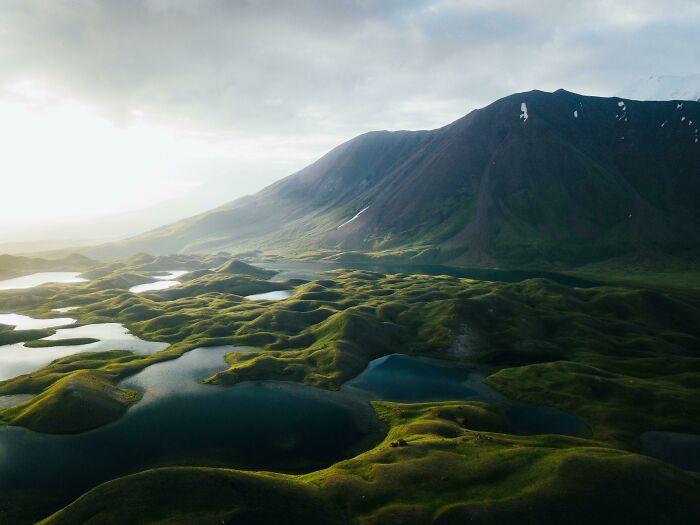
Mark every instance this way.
x=535 y=178
x=664 y=88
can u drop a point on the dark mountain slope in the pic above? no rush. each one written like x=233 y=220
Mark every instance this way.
x=534 y=178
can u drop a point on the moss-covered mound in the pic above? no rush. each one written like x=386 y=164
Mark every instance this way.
x=108 y=364
x=621 y=406
x=9 y=336
x=77 y=402
x=238 y=267
x=440 y=463
x=72 y=341
x=145 y=263
x=234 y=284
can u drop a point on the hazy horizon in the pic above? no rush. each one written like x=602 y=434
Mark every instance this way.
x=117 y=117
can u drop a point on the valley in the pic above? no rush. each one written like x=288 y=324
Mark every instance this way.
x=507 y=387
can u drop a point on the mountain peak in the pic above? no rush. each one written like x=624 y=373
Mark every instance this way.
x=533 y=178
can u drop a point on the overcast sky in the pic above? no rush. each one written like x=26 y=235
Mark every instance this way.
x=174 y=106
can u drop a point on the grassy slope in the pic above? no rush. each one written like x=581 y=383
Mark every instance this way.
x=39 y=380
x=456 y=468
x=662 y=280
x=9 y=336
x=47 y=343
x=77 y=402
x=78 y=392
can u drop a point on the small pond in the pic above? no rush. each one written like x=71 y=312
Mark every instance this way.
x=65 y=309
x=277 y=295
x=170 y=275
x=37 y=279
x=14 y=399
x=681 y=450
x=162 y=282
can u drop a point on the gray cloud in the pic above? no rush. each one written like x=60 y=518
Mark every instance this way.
x=335 y=68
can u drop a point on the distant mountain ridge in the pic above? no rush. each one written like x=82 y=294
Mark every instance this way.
x=534 y=178
x=664 y=88
x=16 y=265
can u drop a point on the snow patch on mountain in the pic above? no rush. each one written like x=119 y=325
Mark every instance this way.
x=523 y=111
x=355 y=217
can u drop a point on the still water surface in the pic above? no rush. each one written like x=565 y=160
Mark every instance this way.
x=37 y=279
x=408 y=379
x=162 y=282
x=312 y=271
x=255 y=425
x=17 y=359
x=277 y=295
x=681 y=450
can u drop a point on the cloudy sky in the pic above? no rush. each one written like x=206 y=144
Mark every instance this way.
x=133 y=113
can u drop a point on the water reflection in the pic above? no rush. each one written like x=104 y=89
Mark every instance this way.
x=408 y=379
x=292 y=270
x=14 y=399
x=24 y=322
x=681 y=450
x=37 y=279
x=256 y=425
x=162 y=282
x=277 y=295
x=17 y=359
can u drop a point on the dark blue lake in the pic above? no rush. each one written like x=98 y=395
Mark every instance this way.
x=409 y=379
x=265 y=425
